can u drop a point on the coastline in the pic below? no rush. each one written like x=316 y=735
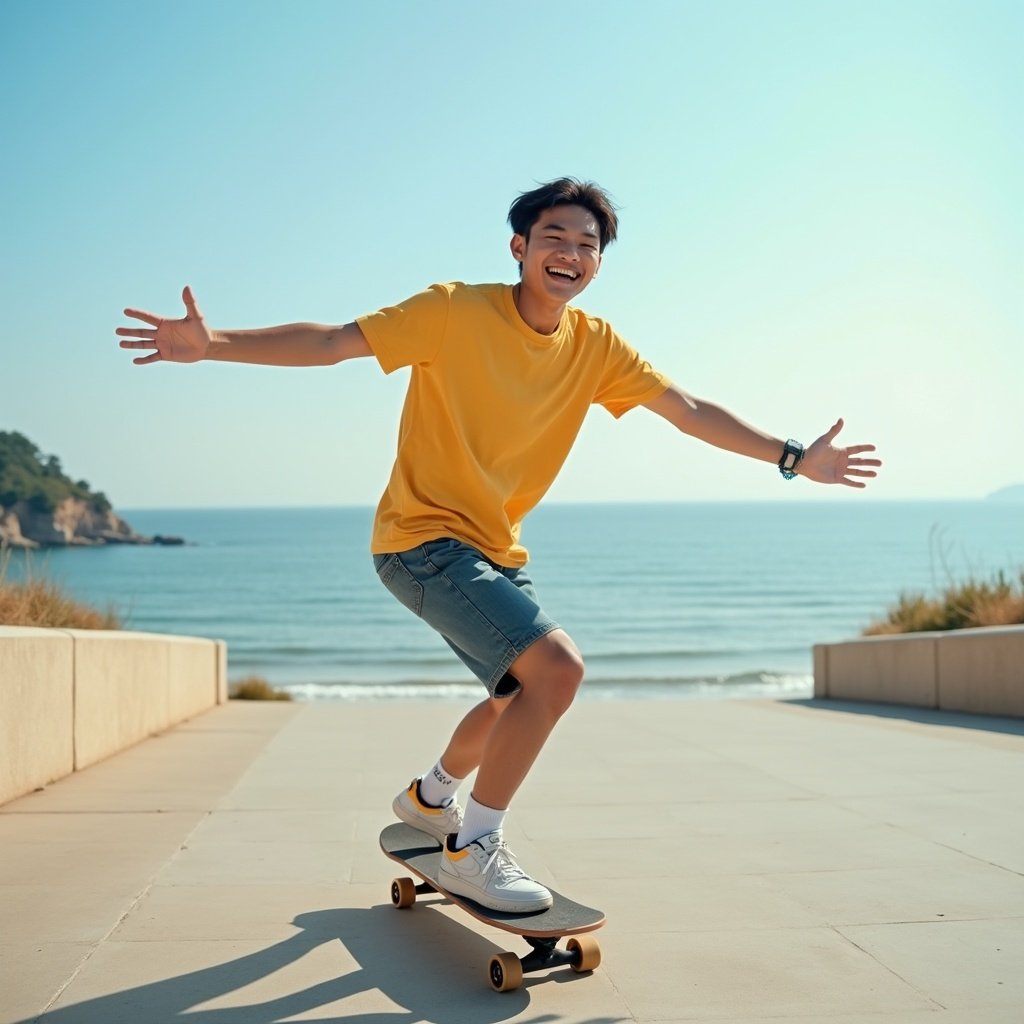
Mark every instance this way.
x=770 y=687
x=680 y=592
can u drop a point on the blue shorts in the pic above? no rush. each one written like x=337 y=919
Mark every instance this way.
x=488 y=614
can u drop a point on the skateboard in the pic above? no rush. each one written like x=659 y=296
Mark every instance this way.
x=542 y=929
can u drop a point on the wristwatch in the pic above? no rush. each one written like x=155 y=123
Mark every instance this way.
x=792 y=455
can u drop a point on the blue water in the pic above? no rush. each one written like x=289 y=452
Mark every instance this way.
x=685 y=599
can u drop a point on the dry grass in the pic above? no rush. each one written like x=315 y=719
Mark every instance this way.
x=36 y=601
x=994 y=602
x=256 y=688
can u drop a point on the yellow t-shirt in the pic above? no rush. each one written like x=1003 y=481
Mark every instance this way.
x=492 y=410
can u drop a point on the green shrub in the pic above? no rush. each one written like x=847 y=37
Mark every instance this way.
x=26 y=474
x=256 y=688
x=40 y=602
x=42 y=501
x=997 y=601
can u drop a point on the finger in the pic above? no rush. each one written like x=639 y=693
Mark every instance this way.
x=190 y=303
x=137 y=344
x=831 y=433
x=135 y=332
x=147 y=359
x=856 y=449
x=865 y=462
x=141 y=314
x=853 y=483
x=861 y=472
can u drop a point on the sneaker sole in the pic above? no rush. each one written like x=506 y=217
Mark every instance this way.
x=445 y=879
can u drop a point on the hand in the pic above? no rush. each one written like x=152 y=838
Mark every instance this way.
x=828 y=465
x=177 y=341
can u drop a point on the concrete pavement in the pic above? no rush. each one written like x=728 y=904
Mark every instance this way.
x=757 y=860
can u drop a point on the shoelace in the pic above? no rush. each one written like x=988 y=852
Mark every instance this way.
x=505 y=867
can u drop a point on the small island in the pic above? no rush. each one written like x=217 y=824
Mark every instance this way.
x=1015 y=492
x=42 y=507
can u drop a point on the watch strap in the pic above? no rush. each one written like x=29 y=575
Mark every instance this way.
x=792 y=456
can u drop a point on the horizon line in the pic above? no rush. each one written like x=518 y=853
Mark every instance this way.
x=570 y=503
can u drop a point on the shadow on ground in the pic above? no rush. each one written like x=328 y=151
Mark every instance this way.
x=927 y=716
x=430 y=966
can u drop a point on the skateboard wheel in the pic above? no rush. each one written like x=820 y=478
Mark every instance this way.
x=587 y=951
x=505 y=972
x=403 y=892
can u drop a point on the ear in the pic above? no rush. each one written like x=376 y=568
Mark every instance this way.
x=600 y=256
x=518 y=247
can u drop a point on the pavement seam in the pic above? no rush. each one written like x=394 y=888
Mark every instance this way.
x=881 y=963
x=904 y=830
x=88 y=956
x=980 y=860
x=134 y=902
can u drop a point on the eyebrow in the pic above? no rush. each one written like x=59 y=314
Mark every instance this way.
x=559 y=227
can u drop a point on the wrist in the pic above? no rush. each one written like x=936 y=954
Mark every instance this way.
x=217 y=346
x=792 y=455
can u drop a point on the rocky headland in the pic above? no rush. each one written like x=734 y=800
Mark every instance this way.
x=1015 y=492
x=73 y=523
x=41 y=507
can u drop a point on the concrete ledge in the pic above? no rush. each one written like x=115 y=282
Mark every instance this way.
x=897 y=670
x=121 y=691
x=975 y=670
x=221 y=669
x=982 y=671
x=70 y=698
x=36 y=686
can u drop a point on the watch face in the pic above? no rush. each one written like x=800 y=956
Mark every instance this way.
x=792 y=452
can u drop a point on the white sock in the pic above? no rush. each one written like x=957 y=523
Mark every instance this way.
x=438 y=788
x=480 y=820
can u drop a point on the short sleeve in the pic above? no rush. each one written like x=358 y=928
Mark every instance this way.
x=626 y=380
x=410 y=333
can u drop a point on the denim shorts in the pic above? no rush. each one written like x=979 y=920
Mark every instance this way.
x=488 y=614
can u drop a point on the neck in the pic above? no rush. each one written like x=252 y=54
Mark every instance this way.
x=539 y=314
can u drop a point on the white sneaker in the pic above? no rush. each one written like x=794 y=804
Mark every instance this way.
x=435 y=821
x=486 y=871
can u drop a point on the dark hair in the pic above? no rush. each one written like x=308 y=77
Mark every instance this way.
x=526 y=210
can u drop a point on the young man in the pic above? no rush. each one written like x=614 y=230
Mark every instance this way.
x=502 y=378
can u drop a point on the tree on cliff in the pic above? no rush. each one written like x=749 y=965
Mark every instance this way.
x=26 y=474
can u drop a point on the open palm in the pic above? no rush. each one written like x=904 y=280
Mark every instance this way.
x=826 y=464
x=176 y=341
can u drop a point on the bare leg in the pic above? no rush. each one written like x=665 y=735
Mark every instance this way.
x=550 y=672
x=466 y=747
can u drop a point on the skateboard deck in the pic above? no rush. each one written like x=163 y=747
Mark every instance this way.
x=543 y=929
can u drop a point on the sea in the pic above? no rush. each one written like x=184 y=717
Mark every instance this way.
x=694 y=600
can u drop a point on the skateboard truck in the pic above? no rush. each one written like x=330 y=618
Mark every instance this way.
x=506 y=970
x=543 y=931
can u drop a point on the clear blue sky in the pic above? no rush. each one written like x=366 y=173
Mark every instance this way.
x=820 y=208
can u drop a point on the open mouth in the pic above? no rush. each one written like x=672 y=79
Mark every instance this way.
x=562 y=273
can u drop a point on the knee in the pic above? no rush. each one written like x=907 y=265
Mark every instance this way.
x=556 y=680
x=565 y=681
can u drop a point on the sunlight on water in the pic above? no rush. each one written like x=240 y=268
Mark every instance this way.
x=709 y=600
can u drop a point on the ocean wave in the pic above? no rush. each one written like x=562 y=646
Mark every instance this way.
x=744 y=684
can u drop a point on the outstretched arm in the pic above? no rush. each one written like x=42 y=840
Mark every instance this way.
x=188 y=340
x=822 y=462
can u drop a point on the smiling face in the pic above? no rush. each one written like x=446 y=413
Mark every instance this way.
x=561 y=256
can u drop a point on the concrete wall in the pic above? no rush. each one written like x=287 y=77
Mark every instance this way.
x=982 y=670
x=70 y=697
x=37 y=698
x=976 y=670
